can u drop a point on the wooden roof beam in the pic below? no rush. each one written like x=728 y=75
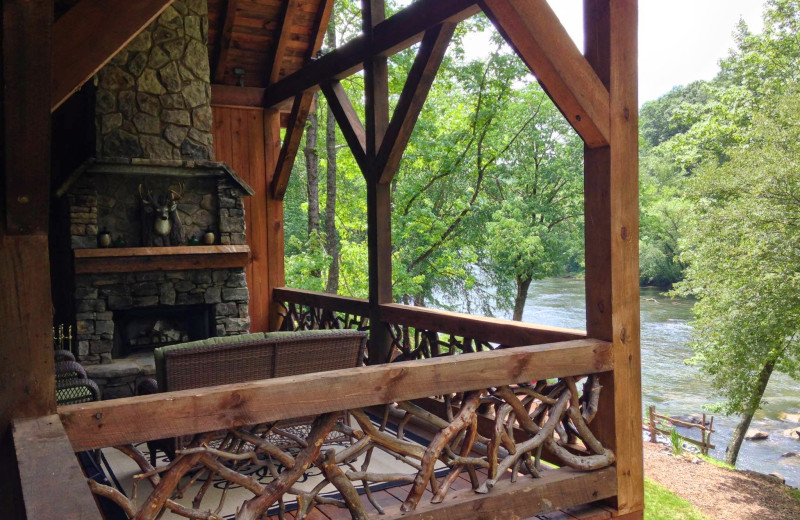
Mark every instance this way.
x=225 y=39
x=348 y=120
x=291 y=143
x=538 y=37
x=90 y=34
x=390 y=36
x=283 y=38
x=412 y=98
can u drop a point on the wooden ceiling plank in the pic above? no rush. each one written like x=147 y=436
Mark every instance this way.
x=90 y=34
x=412 y=98
x=348 y=120
x=283 y=39
x=225 y=39
x=538 y=37
x=291 y=143
x=396 y=33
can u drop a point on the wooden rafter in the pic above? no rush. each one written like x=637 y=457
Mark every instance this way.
x=348 y=120
x=225 y=39
x=412 y=98
x=291 y=143
x=537 y=35
x=87 y=36
x=390 y=36
x=282 y=40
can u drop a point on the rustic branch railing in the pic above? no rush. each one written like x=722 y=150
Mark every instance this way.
x=552 y=416
x=416 y=332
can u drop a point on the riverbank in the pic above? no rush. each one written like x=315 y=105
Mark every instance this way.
x=718 y=492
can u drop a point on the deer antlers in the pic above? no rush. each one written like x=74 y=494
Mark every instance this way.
x=176 y=195
x=147 y=199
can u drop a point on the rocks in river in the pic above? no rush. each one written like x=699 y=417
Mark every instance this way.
x=789 y=417
x=791 y=457
x=778 y=477
x=756 y=435
x=792 y=433
x=693 y=418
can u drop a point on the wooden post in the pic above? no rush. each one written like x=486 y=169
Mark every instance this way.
x=612 y=235
x=27 y=376
x=379 y=227
x=275 y=238
x=652 y=413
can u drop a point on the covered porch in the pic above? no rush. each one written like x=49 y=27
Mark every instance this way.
x=528 y=394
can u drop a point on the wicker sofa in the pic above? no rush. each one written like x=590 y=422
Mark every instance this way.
x=250 y=357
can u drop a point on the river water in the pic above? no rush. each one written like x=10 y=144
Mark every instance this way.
x=674 y=387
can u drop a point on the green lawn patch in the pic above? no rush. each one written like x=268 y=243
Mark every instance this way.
x=662 y=504
x=716 y=462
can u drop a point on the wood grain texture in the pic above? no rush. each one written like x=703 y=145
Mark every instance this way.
x=26 y=47
x=331 y=302
x=87 y=36
x=275 y=228
x=107 y=423
x=225 y=39
x=412 y=98
x=505 y=332
x=137 y=259
x=53 y=484
x=555 y=490
x=291 y=144
x=391 y=36
x=280 y=46
x=538 y=37
x=348 y=121
x=612 y=256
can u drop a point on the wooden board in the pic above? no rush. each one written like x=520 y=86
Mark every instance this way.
x=107 y=423
x=53 y=484
x=506 y=332
x=87 y=36
x=332 y=302
x=137 y=259
x=555 y=490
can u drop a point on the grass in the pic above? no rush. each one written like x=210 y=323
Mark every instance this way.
x=794 y=493
x=716 y=462
x=662 y=504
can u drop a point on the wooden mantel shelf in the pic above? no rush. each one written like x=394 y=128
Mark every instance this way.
x=137 y=259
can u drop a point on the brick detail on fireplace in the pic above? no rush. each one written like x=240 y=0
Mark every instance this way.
x=98 y=296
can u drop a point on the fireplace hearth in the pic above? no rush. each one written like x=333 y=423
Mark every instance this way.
x=142 y=330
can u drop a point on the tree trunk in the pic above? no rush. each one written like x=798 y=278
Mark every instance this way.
x=522 y=295
x=732 y=453
x=331 y=236
x=312 y=169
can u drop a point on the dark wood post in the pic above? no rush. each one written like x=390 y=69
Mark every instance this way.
x=27 y=380
x=612 y=236
x=379 y=227
x=651 y=412
x=275 y=237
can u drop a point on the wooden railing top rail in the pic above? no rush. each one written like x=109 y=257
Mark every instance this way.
x=326 y=301
x=505 y=332
x=136 y=419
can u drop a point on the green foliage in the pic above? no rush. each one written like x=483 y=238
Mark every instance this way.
x=662 y=504
x=675 y=441
x=716 y=462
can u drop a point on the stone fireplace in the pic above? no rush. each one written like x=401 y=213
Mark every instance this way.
x=133 y=293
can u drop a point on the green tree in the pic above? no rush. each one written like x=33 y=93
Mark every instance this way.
x=744 y=263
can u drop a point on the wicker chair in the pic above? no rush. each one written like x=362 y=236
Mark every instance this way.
x=251 y=357
x=72 y=385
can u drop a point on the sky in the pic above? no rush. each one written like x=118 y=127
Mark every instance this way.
x=680 y=41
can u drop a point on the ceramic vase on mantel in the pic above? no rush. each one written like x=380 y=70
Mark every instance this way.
x=208 y=237
x=104 y=238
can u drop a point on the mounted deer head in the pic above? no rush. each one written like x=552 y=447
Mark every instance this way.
x=160 y=222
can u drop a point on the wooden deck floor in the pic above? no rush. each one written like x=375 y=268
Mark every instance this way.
x=393 y=496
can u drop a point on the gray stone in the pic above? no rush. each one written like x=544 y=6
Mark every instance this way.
x=90 y=305
x=225 y=239
x=193 y=151
x=201 y=277
x=170 y=77
x=197 y=6
x=158 y=58
x=191 y=25
x=84 y=327
x=99 y=346
x=83 y=348
x=142 y=42
x=144 y=289
x=121 y=144
x=85 y=293
x=212 y=295
x=118 y=302
x=120 y=58
x=180 y=117
x=172 y=101
x=112 y=77
x=167 y=294
x=147 y=103
x=226 y=202
x=137 y=63
x=104 y=327
x=789 y=417
x=754 y=434
x=163 y=34
x=792 y=433
x=186 y=74
x=175 y=134
x=237 y=324
x=208 y=202
x=148 y=82
x=111 y=122
x=145 y=301
x=85 y=316
x=202 y=118
x=221 y=330
x=202 y=219
x=105 y=101
x=236 y=280
x=195 y=57
x=127 y=103
x=235 y=294
x=117 y=392
x=236 y=212
x=244 y=310
x=180 y=7
x=174 y=48
x=170 y=18
x=204 y=29
x=189 y=299
x=201 y=137
x=147 y=124
x=219 y=276
x=226 y=309
x=196 y=93
x=156 y=147
x=106 y=316
x=149 y=277
x=184 y=286
x=231 y=224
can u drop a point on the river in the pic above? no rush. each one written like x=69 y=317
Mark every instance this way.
x=674 y=387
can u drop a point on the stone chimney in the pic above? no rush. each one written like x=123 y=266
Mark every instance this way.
x=153 y=98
